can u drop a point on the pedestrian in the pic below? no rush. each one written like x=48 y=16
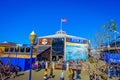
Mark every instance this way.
x=78 y=71
x=70 y=73
x=12 y=68
x=97 y=77
x=90 y=76
x=45 y=75
x=43 y=64
x=51 y=73
x=16 y=70
x=73 y=75
x=62 y=75
x=110 y=72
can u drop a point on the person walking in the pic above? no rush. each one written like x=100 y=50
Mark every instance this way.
x=110 y=72
x=70 y=74
x=62 y=75
x=43 y=64
x=78 y=71
x=45 y=75
x=51 y=73
x=73 y=75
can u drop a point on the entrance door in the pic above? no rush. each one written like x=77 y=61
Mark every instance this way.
x=53 y=58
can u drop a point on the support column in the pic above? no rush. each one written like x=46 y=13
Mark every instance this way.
x=67 y=66
x=46 y=65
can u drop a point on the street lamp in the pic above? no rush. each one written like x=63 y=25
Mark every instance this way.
x=32 y=38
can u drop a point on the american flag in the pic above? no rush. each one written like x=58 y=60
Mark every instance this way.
x=63 y=20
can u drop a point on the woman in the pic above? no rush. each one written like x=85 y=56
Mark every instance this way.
x=51 y=72
x=70 y=74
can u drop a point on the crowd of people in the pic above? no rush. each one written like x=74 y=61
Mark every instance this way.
x=71 y=74
x=112 y=70
x=8 y=71
x=74 y=72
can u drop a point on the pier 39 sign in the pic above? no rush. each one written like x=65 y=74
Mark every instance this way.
x=82 y=41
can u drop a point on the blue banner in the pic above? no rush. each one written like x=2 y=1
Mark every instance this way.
x=111 y=57
x=77 y=40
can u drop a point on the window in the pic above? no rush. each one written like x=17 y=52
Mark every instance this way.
x=6 y=49
x=22 y=49
x=58 y=46
x=11 y=49
x=17 y=49
x=27 y=49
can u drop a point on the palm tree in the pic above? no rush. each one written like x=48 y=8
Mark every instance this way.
x=110 y=28
x=113 y=29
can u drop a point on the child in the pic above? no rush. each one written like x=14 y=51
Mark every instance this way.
x=45 y=75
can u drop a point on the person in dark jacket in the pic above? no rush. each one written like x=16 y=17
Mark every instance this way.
x=73 y=75
x=78 y=71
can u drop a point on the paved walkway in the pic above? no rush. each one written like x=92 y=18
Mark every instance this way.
x=39 y=75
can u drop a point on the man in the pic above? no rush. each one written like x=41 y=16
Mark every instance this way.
x=110 y=72
x=62 y=75
x=78 y=71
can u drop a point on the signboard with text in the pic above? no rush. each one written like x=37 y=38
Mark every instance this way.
x=73 y=40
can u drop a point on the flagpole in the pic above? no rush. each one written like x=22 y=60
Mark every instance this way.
x=61 y=25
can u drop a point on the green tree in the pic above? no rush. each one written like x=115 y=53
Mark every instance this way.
x=110 y=29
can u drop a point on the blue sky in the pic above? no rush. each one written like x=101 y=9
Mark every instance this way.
x=84 y=17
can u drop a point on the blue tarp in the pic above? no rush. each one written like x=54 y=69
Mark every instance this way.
x=24 y=63
x=111 y=57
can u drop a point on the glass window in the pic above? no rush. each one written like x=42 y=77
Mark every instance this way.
x=22 y=49
x=6 y=49
x=11 y=49
x=17 y=49
x=58 y=46
x=27 y=49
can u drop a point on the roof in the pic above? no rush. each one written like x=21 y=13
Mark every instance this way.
x=40 y=49
x=14 y=44
x=61 y=34
x=5 y=42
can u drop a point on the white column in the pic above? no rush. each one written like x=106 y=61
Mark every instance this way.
x=46 y=65
x=53 y=65
x=67 y=66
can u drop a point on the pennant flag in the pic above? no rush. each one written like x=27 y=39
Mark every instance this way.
x=64 y=20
